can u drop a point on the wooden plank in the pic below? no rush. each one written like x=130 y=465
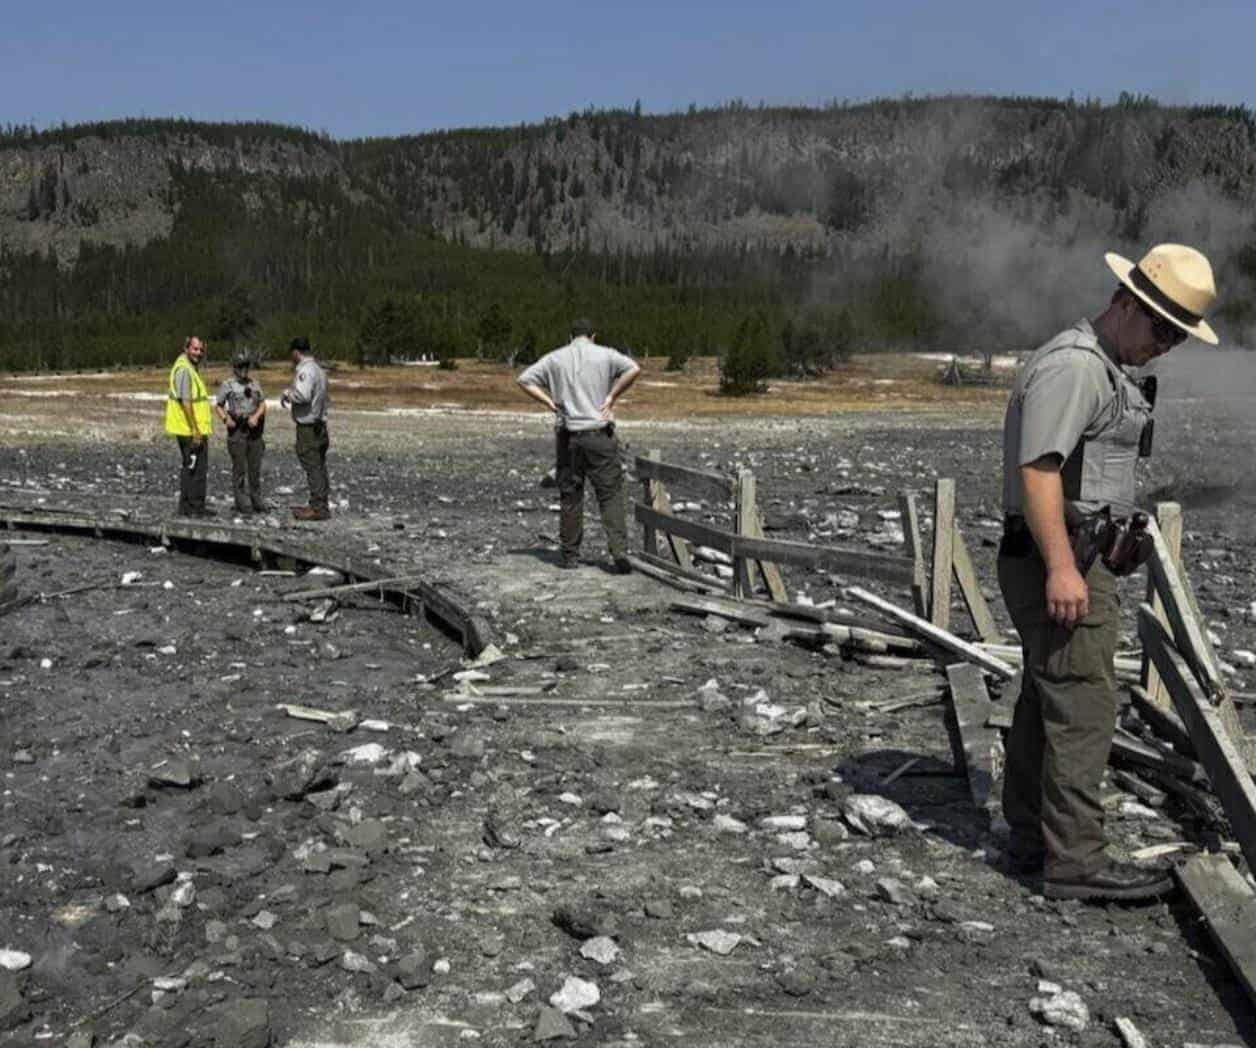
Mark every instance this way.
x=976 y=747
x=1228 y=907
x=1169 y=519
x=770 y=572
x=353 y=587
x=703 y=483
x=1165 y=723
x=732 y=610
x=1225 y=764
x=662 y=502
x=695 y=575
x=1190 y=636
x=879 y=566
x=669 y=574
x=1126 y=747
x=935 y=634
x=649 y=537
x=970 y=589
x=943 y=547
x=911 y=535
x=701 y=534
x=743 y=583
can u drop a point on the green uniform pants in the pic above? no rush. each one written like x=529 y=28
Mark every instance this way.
x=1064 y=721
x=312 y=445
x=246 y=450
x=595 y=454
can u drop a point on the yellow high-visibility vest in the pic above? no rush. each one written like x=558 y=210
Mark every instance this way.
x=176 y=420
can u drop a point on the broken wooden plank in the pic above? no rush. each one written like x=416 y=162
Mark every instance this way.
x=880 y=566
x=935 y=634
x=770 y=572
x=1125 y=667
x=691 y=580
x=1132 y=750
x=649 y=537
x=734 y=611
x=943 y=552
x=662 y=502
x=704 y=483
x=1169 y=520
x=970 y=590
x=1225 y=764
x=910 y=520
x=337 y=720
x=1144 y=791
x=1165 y=723
x=700 y=534
x=1228 y=907
x=352 y=587
x=743 y=581
x=976 y=748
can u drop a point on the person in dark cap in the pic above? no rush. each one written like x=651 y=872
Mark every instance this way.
x=1075 y=428
x=581 y=383
x=307 y=398
x=241 y=405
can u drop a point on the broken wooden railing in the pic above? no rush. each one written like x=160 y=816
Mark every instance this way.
x=751 y=553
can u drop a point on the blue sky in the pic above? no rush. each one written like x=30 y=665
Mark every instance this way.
x=386 y=67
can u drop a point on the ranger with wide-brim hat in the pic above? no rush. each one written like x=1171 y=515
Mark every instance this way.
x=1075 y=427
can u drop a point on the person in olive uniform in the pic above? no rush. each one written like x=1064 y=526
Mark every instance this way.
x=241 y=406
x=581 y=382
x=307 y=398
x=190 y=421
x=1073 y=433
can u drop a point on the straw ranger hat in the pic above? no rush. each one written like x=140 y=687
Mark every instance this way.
x=1174 y=280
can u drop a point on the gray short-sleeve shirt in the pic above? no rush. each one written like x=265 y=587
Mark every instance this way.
x=240 y=399
x=1062 y=392
x=578 y=376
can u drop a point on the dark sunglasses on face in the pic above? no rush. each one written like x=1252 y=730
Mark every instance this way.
x=1164 y=331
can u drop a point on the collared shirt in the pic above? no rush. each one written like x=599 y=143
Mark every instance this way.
x=308 y=393
x=183 y=380
x=577 y=377
x=240 y=399
x=1062 y=394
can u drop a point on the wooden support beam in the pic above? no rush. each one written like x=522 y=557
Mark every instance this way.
x=910 y=519
x=707 y=485
x=976 y=747
x=935 y=634
x=699 y=534
x=649 y=536
x=750 y=524
x=1127 y=748
x=655 y=566
x=353 y=587
x=1225 y=764
x=744 y=507
x=1169 y=519
x=1190 y=635
x=662 y=502
x=943 y=552
x=1165 y=723
x=1228 y=906
x=970 y=588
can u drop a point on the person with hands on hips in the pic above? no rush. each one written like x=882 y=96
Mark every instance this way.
x=580 y=383
x=1075 y=427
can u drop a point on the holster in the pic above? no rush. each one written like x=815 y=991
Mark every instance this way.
x=1122 y=542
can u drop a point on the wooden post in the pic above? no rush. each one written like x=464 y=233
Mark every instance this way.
x=970 y=587
x=1169 y=517
x=659 y=501
x=1228 y=907
x=911 y=535
x=943 y=547
x=743 y=581
x=649 y=537
x=976 y=747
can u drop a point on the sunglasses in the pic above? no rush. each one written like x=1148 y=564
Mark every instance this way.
x=1164 y=331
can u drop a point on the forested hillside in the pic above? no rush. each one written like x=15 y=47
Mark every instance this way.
x=952 y=223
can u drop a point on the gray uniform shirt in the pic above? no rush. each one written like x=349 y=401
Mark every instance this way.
x=240 y=399
x=308 y=393
x=1062 y=394
x=183 y=383
x=577 y=377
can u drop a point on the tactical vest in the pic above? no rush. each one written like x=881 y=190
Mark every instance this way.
x=1100 y=470
x=176 y=420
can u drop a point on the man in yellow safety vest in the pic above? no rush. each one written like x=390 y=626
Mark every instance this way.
x=190 y=421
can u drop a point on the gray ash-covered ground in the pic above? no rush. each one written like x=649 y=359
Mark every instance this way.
x=442 y=892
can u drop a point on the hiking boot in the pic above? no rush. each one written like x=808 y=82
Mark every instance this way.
x=244 y=509
x=1115 y=882
x=260 y=506
x=568 y=563
x=1022 y=867
x=621 y=566
x=201 y=512
x=310 y=513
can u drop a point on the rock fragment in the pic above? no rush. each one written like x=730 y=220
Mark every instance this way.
x=414 y=970
x=717 y=941
x=576 y=994
x=14 y=960
x=1064 y=1009
x=873 y=815
x=552 y=1025
x=601 y=948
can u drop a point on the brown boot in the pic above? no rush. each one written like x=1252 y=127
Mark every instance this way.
x=310 y=513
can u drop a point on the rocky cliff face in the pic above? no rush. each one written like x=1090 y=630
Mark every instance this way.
x=774 y=178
